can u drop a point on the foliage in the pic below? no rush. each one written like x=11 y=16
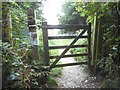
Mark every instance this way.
x=41 y=45
x=23 y=73
x=52 y=82
x=18 y=73
x=90 y=8
x=18 y=69
x=54 y=52
x=109 y=68
x=19 y=18
x=108 y=16
x=70 y=16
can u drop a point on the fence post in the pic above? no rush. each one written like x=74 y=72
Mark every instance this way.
x=33 y=33
x=94 y=42
x=89 y=45
x=45 y=44
x=97 y=42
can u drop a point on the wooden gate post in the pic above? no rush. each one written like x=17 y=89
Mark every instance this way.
x=97 y=42
x=45 y=44
x=33 y=33
x=94 y=42
x=89 y=46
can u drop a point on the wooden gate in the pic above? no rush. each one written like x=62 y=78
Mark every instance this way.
x=46 y=46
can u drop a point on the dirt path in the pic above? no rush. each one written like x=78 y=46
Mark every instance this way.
x=76 y=76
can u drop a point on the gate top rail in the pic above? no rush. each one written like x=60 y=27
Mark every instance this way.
x=66 y=26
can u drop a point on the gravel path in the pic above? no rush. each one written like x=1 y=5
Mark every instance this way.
x=76 y=76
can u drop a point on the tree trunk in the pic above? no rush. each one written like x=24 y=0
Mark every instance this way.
x=6 y=24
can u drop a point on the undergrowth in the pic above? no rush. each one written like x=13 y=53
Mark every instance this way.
x=109 y=69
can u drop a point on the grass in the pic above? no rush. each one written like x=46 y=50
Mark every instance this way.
x=55 y=72
x=52 y=82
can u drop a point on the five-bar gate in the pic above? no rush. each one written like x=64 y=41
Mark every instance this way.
x=46 y=46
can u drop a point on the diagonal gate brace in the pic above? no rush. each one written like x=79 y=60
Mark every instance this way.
x=63 y=53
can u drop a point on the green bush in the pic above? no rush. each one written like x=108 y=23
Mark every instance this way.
x=17 y=72
x=109 y=68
